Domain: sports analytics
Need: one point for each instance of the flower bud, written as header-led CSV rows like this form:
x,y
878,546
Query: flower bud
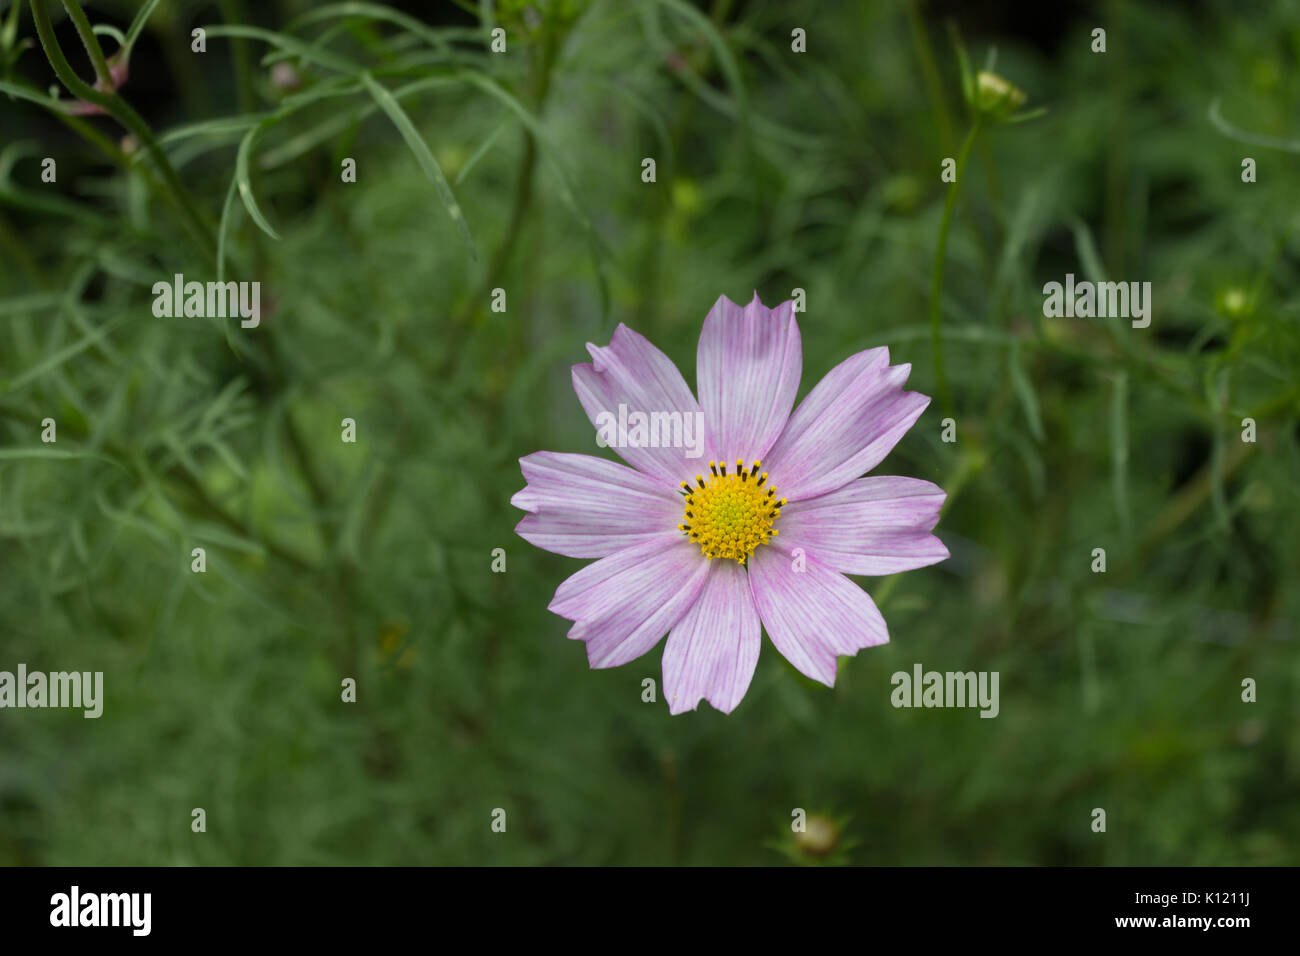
x,y
995,95
285,78
819,837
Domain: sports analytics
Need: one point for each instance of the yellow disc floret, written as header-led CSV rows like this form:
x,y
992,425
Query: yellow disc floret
x,y
730,515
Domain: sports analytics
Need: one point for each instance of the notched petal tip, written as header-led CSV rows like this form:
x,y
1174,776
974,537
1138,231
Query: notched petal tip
x,y
680,706
555,602
520,500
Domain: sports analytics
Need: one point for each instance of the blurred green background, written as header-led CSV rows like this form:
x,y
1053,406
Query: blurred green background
x,y
776,170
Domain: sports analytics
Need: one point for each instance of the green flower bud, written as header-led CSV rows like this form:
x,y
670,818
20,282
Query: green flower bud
x,y
996,96
820,836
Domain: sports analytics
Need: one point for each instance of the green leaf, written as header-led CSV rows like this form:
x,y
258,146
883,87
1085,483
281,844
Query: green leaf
x,y
33,96
219,127
305,51
1119,448
371,11
599,252
1025,392
482,150
423,156
726,62
37,451
1244,136
1093,270
244,182
137,25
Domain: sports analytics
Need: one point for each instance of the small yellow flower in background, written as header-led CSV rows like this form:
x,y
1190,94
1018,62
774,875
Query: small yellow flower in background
x,y
392,649
1233,302
686,196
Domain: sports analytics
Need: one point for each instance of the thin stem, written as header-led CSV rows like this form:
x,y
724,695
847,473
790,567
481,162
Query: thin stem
x,y
232,11
121,111
936,279
929,71
525,176
91,42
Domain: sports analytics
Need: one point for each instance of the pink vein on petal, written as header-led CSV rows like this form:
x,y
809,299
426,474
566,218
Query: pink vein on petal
x,y
814,615
748,364
624,603
845,426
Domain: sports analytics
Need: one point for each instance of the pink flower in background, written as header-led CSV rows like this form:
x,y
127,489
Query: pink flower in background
x,y
752,524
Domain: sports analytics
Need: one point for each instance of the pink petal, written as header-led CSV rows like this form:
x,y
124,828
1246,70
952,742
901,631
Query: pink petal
x,y
812,616
632,372
844,427
624,603
748,365
586,507
877,525
713,649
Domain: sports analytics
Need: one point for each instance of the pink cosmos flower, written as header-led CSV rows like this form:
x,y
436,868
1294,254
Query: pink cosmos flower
x,y
756,532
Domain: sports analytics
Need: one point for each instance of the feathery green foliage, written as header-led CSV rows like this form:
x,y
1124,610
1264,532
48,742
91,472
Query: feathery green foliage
x,y
775,170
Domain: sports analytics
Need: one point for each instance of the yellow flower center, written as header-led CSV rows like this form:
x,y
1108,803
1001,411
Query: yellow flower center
x,y
730,515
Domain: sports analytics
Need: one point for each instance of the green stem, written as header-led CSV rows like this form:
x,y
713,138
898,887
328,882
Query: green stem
x,y
91,42
929,71
121,111
233,11
543,66
936,278
525,176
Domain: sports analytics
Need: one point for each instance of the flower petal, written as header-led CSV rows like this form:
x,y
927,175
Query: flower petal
x,y
844,427
713,649
878,525
631,372
748,365
585,507
624,603
814,615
